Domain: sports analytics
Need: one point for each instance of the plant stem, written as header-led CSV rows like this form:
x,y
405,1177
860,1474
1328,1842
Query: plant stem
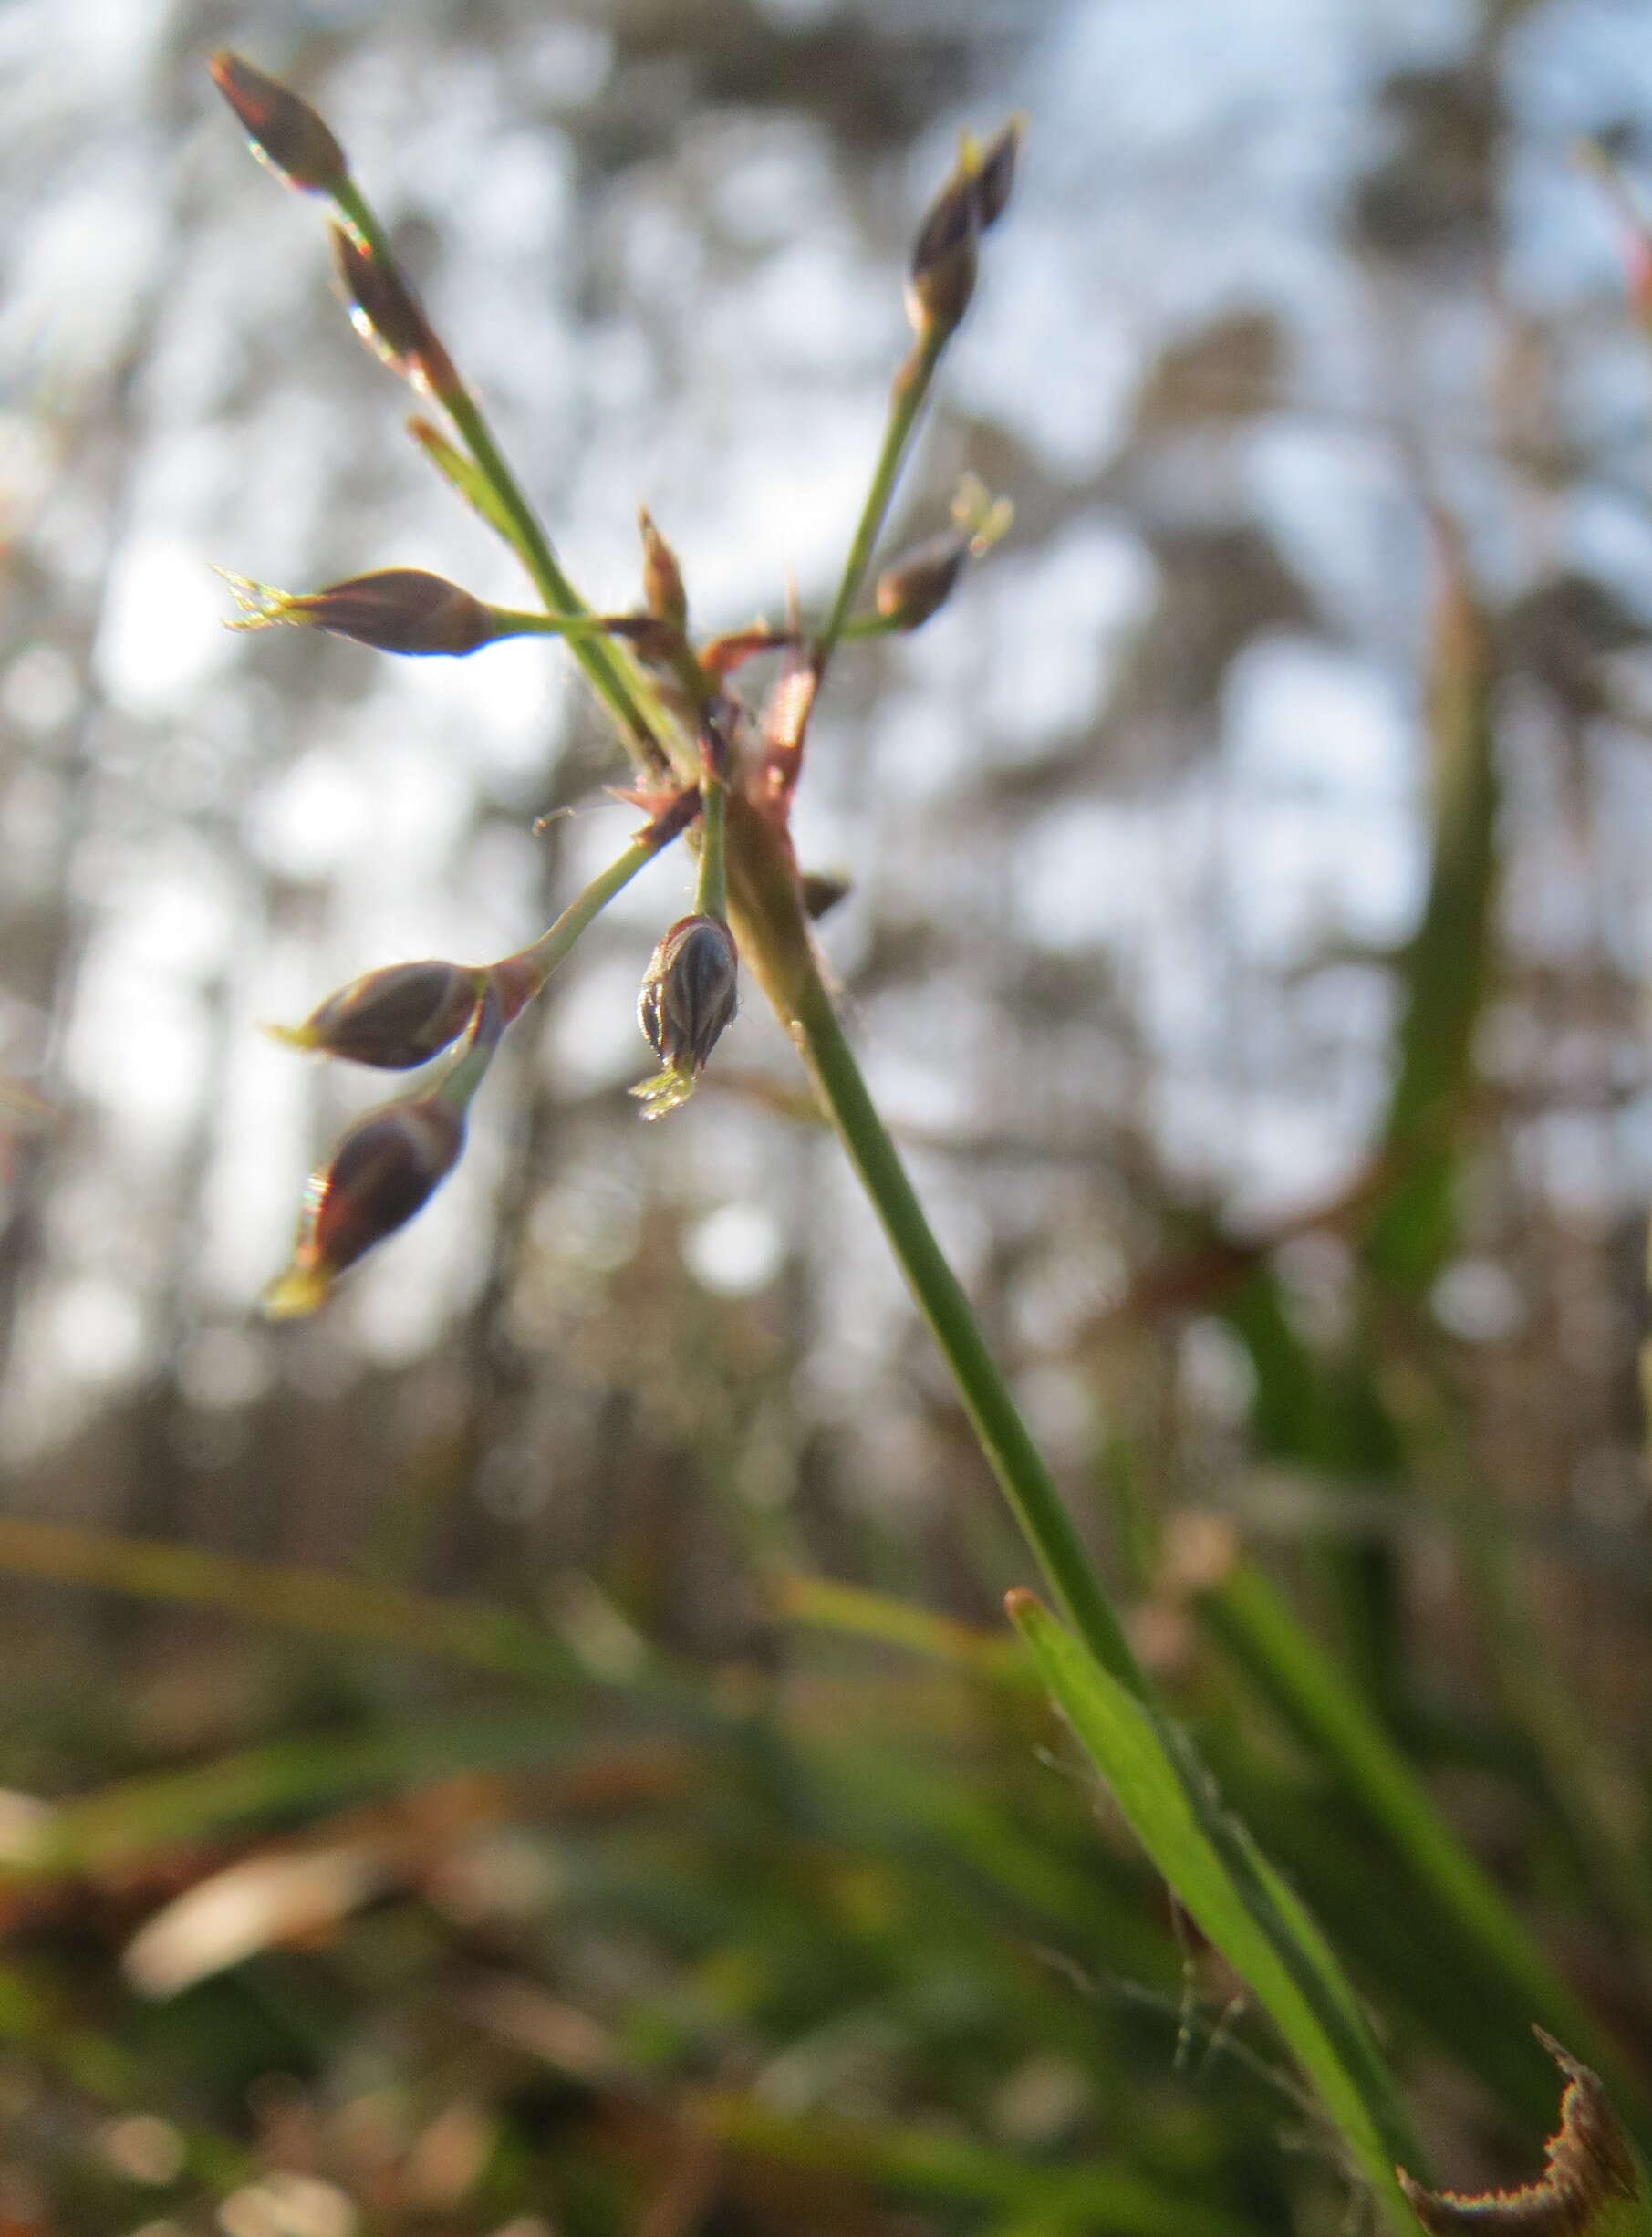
x,y
525,972
775,937
711,887
907,399
598,659
772,934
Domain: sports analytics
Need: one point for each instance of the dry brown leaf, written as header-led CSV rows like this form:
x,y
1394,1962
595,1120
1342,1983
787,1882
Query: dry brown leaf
x,y
1591,2186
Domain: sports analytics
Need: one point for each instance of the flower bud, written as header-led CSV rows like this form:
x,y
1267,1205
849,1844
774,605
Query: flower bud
x,y
944,258
921,580
285,132
662,589
394,1019
388,318
995,173
382,1172
689,992
396,610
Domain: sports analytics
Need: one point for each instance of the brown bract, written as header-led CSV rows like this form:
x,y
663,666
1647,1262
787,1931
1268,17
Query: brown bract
x,y
1590,2176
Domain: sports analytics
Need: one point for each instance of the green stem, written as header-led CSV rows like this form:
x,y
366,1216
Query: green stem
x,y
467,1067
517,621
906,401
711,887
1031,1492
531,966
533,546
1015,1459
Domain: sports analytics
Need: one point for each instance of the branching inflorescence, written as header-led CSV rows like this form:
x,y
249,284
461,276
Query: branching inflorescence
x,y
705,761
707,765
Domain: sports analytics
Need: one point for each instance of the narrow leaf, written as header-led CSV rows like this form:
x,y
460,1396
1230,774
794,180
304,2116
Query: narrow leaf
x,y
1234,1898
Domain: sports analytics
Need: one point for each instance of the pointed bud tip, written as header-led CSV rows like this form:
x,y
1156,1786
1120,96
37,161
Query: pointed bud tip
x,y
291,1036
663,586
296,1294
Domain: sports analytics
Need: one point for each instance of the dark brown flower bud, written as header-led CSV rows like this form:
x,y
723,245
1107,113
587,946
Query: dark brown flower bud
x,y
689,992
945,258
389,316
382,1172
921,580
397,610
995,173
662,590
394,1019
945,254
285,132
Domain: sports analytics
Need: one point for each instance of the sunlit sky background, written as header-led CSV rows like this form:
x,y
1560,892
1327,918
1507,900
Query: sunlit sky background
x,y
708,327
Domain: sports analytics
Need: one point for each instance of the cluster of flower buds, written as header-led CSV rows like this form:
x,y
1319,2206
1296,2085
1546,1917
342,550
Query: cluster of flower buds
x,y
941,280
383,1171
396,610
452,1015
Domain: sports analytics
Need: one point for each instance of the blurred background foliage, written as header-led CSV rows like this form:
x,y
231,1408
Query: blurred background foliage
x,y
538,1750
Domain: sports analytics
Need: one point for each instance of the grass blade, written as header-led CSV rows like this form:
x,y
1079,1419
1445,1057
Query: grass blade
x,y
1235,1898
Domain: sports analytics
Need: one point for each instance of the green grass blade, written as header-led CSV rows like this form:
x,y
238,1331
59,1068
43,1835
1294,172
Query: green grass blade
x,y
1236,1899
1316,1702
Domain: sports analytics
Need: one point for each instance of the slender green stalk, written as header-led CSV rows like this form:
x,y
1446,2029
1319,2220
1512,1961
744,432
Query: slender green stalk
x,y
1015,1461
907,399
531,966
1275,1942
518,621
598,659
711,887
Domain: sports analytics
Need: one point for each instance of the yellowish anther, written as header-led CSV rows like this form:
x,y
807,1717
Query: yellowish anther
x,y
262,605
664,1091
293,1037
297,1292
986,518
